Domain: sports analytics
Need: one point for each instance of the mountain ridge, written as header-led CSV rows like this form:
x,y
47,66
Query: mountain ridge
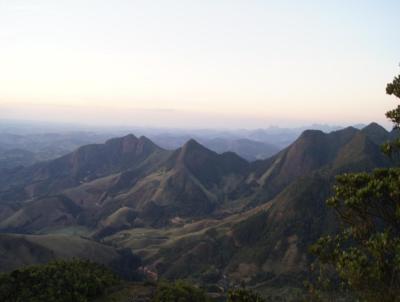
x,y
243,220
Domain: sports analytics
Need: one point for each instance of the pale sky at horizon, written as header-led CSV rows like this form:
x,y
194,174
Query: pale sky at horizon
x,y
209,63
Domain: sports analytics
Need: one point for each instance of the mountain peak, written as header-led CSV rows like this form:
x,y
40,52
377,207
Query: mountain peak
x,y
192,144
376,133
192,141
375,127
344,134
348,129
311,133
129,136
124,139
130,143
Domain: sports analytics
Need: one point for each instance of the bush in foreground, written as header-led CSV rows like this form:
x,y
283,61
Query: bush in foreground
x,y
243,295
179,291
59,281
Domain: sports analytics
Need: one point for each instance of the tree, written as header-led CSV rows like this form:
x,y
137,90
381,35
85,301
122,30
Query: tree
x,y
363,259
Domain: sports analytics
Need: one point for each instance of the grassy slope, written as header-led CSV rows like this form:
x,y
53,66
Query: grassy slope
x,y
21,250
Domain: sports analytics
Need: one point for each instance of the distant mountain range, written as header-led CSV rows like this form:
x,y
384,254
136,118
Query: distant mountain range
x,y
23,144
189,212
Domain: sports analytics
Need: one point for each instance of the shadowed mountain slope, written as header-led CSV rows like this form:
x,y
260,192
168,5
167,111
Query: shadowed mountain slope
x,y
200,211
85,164
272,242
257,245
312,151
44,213
377,133
19,250
192,182
97,180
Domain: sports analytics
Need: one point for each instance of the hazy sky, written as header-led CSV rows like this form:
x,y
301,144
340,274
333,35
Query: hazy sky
x,y
208,63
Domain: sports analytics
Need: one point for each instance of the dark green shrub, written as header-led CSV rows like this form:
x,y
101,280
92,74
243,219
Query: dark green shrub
x,y
180,291
243,295
59,281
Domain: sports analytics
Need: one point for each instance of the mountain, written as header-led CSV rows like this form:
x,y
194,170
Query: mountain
x,y
24,148
192,182
266,242
377,133
313,150
86,163
29,194
38,215
90,186
248,149
192,212
206,165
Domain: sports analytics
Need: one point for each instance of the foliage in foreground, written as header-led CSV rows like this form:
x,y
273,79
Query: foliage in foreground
x,y
59,281
179,291
182,291
83,281
363,259
243,295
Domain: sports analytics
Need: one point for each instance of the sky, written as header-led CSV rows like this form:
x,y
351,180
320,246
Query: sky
x,y
208,63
